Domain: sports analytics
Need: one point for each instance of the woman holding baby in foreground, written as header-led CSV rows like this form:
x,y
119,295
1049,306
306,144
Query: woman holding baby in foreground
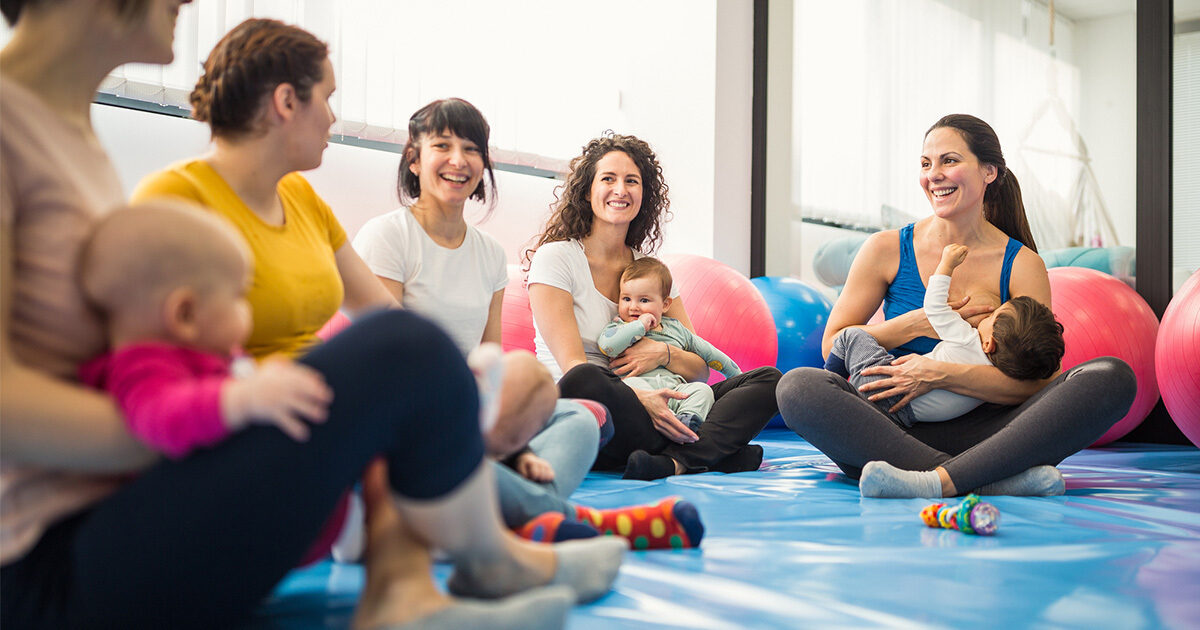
x,y
1010,443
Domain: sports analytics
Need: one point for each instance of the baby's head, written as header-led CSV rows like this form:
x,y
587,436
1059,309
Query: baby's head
x,y
1023,339
168,271
527,398
645,288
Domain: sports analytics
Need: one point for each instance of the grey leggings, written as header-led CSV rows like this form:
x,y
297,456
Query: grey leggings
x,y
990,443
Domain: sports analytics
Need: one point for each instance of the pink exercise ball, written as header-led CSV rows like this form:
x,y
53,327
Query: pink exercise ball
x,y
1102,316
1177,358
726,310
516,320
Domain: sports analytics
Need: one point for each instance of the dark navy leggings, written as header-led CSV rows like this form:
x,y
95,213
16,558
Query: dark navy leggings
x,y
198,543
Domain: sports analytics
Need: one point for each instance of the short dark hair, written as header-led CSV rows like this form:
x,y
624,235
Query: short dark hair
x,y
128,10
457,117
647,267
248,63
1029,340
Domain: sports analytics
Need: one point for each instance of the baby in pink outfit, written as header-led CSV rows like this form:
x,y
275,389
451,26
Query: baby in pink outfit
x,y
169,281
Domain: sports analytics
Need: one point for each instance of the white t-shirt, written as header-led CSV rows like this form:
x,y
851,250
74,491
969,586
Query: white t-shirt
x,y
452,287
564,265
959,344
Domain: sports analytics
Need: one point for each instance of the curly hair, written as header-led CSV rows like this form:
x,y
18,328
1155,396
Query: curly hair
x,y
571,215
457,117
248,63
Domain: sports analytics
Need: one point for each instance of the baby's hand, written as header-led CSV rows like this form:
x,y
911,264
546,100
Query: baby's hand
x,y
648,320
952,256
279,392
534,468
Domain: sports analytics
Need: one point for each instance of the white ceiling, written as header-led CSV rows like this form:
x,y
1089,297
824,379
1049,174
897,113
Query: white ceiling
x,y
1080,10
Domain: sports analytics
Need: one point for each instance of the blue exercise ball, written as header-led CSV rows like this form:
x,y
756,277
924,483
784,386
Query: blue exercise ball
x,y
800,312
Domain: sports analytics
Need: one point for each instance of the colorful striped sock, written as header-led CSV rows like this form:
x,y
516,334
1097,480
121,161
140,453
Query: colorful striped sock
x,y
669,524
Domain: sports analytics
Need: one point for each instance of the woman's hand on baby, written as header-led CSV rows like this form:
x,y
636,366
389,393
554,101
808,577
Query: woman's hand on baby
x,y
909,376
972,312
664,420
534,468
279,392
641,357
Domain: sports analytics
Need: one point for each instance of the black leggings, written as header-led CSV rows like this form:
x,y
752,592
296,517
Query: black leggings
x,y
198,543
987,444
744,404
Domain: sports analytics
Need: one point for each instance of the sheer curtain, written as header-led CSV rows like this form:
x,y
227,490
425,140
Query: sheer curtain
x,y
872,76
524,65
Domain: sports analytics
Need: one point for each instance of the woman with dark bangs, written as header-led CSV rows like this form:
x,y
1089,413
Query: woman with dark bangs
x,y
610,212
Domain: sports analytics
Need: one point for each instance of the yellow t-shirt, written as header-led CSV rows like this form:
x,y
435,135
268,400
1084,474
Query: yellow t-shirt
x,y
297,287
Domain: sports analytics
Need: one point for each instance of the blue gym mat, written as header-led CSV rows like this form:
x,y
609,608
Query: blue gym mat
x,y
795,546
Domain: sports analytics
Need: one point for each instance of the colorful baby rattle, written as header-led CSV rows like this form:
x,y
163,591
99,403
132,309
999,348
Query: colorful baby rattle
x,y
971,516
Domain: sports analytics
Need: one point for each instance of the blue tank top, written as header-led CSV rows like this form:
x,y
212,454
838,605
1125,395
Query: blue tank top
x,y
907,291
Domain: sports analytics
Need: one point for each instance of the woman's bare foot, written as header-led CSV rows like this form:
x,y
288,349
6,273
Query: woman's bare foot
x,y
399,590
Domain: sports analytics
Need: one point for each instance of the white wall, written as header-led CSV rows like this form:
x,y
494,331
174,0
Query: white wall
x,y
1106,53
358,183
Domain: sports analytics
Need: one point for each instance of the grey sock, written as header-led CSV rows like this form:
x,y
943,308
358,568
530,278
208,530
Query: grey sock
x,y
881,480
589,566
1039,481
542,608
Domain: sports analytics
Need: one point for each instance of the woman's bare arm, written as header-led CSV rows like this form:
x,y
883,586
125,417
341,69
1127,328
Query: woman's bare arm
x,y
491,330
554,313
870,274
364,291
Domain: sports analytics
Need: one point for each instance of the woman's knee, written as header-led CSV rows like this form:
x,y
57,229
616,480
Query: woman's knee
x,y
800,393
766,375
585,381
1105,377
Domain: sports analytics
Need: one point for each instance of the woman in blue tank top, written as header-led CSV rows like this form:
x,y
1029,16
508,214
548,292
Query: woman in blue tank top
x,y
1008,447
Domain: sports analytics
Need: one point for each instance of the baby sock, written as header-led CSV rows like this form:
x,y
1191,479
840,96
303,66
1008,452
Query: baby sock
x,y
881,480
690,419
555,527
1039,481
646,467
669,524
837,365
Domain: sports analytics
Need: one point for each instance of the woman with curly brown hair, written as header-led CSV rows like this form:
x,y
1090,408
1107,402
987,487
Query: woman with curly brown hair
x,y
609,213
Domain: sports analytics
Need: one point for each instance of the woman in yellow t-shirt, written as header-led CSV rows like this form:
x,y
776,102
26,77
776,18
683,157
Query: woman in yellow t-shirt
x,y
251,505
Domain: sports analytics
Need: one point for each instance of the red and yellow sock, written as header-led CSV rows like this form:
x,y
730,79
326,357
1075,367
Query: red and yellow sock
x,y
669,524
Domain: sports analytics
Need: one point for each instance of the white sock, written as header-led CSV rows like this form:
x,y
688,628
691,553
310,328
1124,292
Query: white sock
x,y
1039,481
883,481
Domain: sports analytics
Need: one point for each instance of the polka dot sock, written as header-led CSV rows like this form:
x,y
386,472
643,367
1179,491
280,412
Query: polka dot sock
x,y
669,524
553,527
